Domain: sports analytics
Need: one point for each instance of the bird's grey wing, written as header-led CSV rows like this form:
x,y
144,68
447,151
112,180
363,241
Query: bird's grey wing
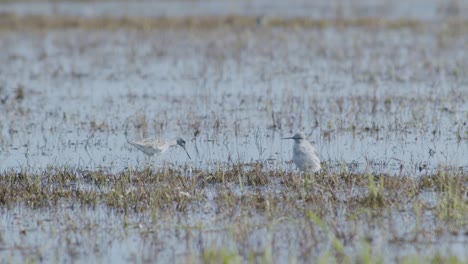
x,y
144,145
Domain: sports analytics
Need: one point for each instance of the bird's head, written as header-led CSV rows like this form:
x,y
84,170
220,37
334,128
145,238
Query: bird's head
x,y
298,137
181,142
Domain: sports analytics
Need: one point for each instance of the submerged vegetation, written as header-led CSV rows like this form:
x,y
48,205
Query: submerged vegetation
x,y
149,189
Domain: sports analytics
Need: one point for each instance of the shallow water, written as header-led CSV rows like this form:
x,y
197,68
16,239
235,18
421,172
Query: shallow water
x,y
69,232
396,109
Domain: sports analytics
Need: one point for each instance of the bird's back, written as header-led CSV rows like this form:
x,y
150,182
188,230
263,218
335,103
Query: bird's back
x,y
151,146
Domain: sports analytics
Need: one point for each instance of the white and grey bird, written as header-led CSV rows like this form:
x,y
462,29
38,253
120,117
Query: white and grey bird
x,y
305,156
151,146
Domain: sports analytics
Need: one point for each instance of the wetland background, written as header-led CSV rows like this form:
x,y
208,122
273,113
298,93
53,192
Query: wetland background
x,y
380,87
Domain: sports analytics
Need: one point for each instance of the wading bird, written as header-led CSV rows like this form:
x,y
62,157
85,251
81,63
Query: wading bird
x,y
151,146
305,156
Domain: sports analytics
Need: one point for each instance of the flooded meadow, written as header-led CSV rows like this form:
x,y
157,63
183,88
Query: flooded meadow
x,y
380,90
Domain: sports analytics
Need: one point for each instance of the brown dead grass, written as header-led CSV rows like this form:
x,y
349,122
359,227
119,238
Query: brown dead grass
x,y
14,22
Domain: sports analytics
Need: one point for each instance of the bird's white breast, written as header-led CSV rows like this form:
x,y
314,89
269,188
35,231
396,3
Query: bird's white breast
x,y
305,157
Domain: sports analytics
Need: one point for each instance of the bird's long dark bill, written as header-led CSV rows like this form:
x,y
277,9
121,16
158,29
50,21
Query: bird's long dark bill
x,y
288,138
188,154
